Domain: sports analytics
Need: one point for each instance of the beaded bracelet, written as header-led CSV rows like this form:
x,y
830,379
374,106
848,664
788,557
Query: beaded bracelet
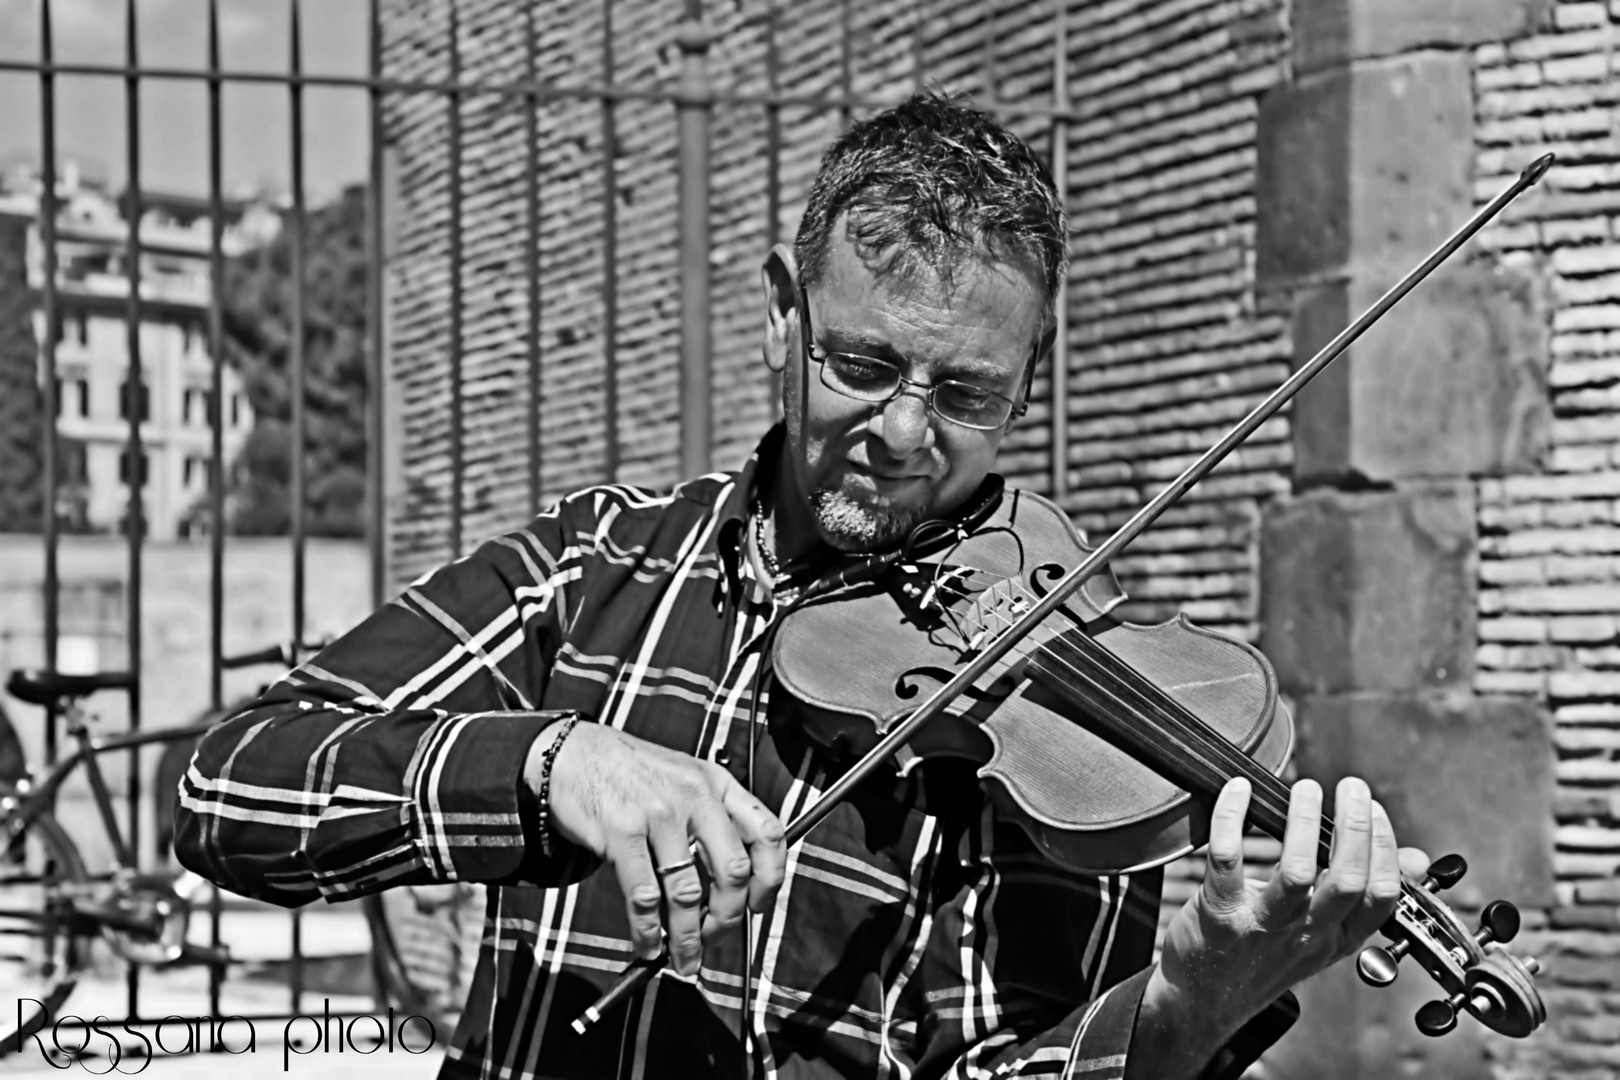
x,y
545,782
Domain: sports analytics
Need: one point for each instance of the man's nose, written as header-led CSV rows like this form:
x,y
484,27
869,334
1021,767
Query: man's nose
x,y
902,422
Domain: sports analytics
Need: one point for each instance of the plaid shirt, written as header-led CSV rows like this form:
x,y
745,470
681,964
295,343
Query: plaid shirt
x,y
915,935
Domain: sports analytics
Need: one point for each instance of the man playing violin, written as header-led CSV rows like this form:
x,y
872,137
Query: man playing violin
x,y
581,712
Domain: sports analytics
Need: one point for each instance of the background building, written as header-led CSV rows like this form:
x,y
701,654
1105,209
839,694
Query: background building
x,y
94,393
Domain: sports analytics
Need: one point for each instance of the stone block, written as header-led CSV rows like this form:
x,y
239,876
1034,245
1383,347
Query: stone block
x,y
1365,166
1334,32
1370,591
1452,381
1303,181
1348,1030
1472,775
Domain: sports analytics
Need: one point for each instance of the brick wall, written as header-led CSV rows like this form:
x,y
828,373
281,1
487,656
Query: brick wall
x,y
1172,338
1549,566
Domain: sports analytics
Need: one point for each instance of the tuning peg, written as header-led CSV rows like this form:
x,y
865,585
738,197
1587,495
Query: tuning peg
x,y
1445,872
1438,1017
1379,965
1498,922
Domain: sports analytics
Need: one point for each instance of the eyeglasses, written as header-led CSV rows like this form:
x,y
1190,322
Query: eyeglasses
x,y
866,378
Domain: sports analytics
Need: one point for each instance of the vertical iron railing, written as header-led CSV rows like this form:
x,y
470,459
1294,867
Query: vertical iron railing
x,y
610,256
694,107
693,101
47,235
135,406
531,255
376,332
1058,366
215,412
457,464
297,394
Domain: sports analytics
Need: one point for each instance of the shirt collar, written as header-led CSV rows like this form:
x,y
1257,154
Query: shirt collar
x,y
734,512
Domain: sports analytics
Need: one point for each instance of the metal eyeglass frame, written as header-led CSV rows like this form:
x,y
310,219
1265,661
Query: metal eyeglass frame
x,y
1015,409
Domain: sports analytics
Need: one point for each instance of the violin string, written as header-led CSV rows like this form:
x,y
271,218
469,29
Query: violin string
x,y
1222,758
1199,734
1268,792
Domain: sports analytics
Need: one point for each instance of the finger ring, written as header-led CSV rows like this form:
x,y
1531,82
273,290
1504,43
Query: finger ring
x,y
672,867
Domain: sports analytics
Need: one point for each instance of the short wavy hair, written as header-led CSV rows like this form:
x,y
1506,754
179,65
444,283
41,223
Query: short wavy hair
x,y
930,182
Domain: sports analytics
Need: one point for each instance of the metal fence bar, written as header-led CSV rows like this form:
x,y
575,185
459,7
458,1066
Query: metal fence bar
x,y
531,257
215,412
773,131
216,349
136,518
693,110
992,71
376,366
773,163
457,467
47,232
300,419
547,92
919,71
1060,180
610,258
846,61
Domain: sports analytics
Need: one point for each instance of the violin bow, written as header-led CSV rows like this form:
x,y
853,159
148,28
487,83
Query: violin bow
x,y
639,972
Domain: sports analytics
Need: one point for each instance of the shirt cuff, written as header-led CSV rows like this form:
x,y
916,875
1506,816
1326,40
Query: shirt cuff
x,y
1253,1039
470,815
1108,1031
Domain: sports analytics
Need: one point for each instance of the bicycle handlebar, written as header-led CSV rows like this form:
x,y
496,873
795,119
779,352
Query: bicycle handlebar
x,y
285,654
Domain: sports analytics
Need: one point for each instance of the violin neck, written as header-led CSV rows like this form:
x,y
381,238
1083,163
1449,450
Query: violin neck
x,y
1119,704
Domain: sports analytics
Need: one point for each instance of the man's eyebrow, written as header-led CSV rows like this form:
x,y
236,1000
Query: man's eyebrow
x,y
861,342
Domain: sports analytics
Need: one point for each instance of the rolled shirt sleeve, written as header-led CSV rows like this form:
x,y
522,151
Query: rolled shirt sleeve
x,y
395,756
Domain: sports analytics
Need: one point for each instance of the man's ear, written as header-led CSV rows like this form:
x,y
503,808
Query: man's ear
x,y
1042,355
780,277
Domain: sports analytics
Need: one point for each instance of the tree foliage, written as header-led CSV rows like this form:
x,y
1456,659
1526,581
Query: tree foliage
x,y
22,406
258,329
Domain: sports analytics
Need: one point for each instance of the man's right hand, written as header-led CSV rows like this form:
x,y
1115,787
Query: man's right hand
x,y
639,806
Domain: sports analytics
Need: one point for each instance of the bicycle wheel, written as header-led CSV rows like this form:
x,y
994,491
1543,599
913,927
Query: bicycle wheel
x,y
41,947
425,942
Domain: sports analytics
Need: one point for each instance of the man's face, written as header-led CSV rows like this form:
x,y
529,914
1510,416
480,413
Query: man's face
x,y
871,472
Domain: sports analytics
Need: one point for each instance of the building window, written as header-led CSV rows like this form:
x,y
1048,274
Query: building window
x,y
236,410
124,470
145,401
72,397
196,470
71,465
198,407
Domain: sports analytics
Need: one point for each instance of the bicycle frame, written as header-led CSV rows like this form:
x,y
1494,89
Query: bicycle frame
x,y
33,797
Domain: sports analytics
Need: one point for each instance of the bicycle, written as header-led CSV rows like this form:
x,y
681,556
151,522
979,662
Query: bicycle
x,y
53,910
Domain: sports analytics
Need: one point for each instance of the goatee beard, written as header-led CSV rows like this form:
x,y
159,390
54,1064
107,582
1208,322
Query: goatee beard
x,y
851,525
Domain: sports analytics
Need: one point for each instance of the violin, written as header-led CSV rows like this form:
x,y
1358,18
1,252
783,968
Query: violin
x,y
1106,742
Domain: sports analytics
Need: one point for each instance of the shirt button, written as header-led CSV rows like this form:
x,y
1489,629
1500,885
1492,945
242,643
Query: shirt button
x,y
722,757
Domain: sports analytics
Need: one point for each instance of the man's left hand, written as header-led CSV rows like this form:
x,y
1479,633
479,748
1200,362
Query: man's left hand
x,y
1238,944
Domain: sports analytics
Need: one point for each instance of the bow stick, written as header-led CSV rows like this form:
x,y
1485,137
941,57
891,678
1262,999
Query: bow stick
x,y
641,971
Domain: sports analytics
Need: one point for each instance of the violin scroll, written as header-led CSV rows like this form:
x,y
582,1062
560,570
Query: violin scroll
x,y
1495,986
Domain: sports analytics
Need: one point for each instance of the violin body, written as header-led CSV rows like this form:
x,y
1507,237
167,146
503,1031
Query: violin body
x,y
872,652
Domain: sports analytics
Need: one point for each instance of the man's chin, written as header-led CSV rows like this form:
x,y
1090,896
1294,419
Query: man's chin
x,y
850,523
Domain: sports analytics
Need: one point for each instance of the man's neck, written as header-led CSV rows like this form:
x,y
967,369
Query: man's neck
x,y
794,533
